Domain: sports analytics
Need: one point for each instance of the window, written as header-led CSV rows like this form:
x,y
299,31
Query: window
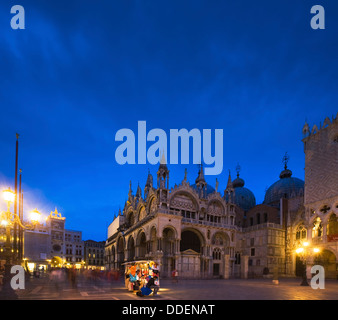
x,y
251,221
317,230
237,258
258,218
217,254
252,253
252,241
265,217
301,233
332,227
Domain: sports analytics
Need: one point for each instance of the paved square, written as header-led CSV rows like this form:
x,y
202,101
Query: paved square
x,y
233,289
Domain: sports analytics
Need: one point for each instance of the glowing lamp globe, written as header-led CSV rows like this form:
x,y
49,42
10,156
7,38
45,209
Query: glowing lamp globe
x,y
4,223
35,216
8,195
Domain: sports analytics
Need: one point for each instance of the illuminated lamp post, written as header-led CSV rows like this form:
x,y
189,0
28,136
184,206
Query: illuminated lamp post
x,y
8,220
305,251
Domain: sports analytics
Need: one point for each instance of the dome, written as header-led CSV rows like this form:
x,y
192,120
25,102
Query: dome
x,y
285,187
242,197
238,182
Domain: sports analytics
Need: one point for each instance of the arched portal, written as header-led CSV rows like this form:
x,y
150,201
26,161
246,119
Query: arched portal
x,y
142,245
190,240
131,249
120,252
56,262
327,259
190,262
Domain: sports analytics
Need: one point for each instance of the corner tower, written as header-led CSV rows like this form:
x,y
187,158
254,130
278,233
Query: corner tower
x,y
321,161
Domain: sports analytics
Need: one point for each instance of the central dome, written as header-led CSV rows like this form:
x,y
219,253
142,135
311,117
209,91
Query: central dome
x,y
285,187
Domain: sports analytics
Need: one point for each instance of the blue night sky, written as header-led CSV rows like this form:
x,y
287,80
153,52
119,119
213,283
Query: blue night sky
x,y
81,70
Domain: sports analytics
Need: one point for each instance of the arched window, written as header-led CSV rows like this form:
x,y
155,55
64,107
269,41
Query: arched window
x,y
217,254
131,248
301,232
131,219
142,214
317,229
332,226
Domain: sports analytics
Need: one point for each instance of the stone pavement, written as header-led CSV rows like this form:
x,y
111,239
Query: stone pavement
x,y
233,289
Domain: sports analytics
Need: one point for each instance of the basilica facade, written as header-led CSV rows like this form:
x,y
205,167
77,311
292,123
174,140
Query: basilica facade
x,y
204,232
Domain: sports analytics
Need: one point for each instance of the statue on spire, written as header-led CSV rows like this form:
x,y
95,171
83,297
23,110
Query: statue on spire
x,y
185,174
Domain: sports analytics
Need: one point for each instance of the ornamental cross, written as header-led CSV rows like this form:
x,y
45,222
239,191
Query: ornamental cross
x,y
286,160
238,169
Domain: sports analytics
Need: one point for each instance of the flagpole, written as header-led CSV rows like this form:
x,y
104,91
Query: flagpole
x,y
16,198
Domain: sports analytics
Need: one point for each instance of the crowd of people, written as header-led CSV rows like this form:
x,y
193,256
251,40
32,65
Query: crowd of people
x,y
140,278
61,276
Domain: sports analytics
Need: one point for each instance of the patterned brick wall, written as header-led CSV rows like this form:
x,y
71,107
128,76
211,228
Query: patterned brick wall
x,y
321,163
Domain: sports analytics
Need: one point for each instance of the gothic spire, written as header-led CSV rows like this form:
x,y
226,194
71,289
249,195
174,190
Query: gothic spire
x,y
200,178
229,184
149,182
138,192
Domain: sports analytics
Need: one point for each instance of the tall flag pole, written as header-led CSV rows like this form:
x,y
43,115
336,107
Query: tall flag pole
x,y
16,197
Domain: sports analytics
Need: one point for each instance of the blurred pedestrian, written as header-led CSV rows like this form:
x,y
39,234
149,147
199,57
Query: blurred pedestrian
x,y
174,276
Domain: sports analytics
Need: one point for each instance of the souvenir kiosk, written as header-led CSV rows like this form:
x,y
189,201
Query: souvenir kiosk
x,y
138,274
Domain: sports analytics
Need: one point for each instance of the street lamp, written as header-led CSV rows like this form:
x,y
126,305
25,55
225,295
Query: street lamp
x,y
7,220
8,195
35,216
305,251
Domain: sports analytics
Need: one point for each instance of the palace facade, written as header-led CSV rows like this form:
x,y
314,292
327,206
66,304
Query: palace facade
x,y
205,233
